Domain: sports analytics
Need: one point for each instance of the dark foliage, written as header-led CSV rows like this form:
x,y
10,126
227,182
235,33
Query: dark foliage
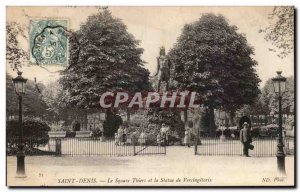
x,y
104,57
35,132
211,58
111,124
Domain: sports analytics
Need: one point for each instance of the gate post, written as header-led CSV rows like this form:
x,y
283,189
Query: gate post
x,y
57,147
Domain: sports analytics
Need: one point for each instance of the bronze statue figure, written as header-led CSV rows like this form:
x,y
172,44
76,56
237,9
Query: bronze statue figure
x,y
163,68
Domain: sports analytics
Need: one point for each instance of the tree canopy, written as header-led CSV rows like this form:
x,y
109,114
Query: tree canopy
x,y
33,105
15,55
104,57
213,59
280,31
267,102
271,100
52,96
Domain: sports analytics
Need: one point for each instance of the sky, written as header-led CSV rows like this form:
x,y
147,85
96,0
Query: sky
x,y
156,27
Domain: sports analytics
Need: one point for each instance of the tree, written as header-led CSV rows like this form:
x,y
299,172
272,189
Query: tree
x,y
104,57
52,95
211,58
267,102
259,107
15,56
280,31
33,105
14,53
271,100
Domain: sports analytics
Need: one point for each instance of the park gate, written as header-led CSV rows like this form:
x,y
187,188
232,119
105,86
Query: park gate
x,y
96,146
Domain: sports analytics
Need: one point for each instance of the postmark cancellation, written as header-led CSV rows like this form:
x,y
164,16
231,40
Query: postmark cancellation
x,y
48,41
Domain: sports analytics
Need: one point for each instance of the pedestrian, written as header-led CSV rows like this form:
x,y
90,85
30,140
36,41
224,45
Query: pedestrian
x,y
163,132
232,136
129,139
120,135
134,137
142,138
124,137
158,139
101,130
187,137
245,137
116,139
168,135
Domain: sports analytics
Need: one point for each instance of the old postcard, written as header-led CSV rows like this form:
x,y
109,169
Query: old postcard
x,y
150,96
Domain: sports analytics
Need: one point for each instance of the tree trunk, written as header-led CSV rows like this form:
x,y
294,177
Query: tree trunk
x,y
266,119
231,118
85,120
185,114
128,115
81,122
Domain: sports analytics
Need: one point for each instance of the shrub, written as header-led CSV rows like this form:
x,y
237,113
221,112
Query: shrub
x,y
32,127
75,126
169,117
35,133
96,133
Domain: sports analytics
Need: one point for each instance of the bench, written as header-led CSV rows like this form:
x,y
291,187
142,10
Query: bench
x,y
59,134
81,134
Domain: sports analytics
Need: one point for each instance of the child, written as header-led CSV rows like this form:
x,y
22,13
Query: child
x,y
158,139
187,137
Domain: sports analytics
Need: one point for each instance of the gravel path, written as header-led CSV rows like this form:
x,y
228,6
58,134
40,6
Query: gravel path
x,y
179,167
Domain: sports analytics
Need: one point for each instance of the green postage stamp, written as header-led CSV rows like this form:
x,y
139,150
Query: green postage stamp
x,y
48,41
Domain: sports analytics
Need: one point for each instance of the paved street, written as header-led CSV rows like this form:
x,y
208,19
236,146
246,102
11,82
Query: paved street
x,y
179,167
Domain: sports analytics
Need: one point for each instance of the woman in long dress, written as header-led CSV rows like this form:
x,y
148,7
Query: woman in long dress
x,y
142,138
120,135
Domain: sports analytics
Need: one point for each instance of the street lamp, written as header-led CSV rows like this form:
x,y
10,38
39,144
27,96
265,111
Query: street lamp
x,y
19,83
279,84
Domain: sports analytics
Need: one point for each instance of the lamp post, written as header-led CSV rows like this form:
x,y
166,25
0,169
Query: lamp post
x,y
279,84
19,84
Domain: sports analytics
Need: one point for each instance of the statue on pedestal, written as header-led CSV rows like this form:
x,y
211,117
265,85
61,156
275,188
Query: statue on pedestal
x,y
163,69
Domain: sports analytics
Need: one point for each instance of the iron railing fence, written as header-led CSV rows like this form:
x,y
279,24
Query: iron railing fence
x,y
85,146
263,146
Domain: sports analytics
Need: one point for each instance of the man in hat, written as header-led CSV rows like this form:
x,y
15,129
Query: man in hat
x,y
245,138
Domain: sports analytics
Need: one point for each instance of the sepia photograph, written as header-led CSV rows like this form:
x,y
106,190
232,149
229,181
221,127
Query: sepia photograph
x,y
150,96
